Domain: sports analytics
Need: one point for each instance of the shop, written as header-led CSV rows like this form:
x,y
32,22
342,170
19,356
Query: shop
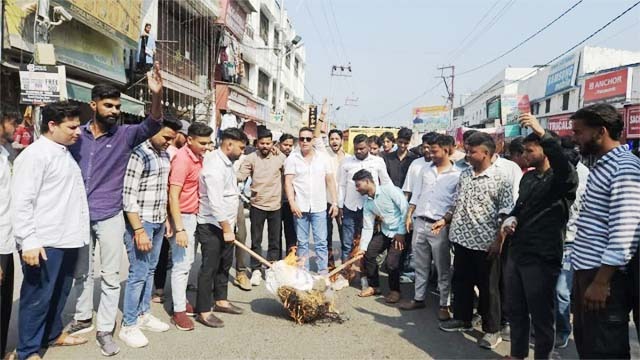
x,y
238,108
632,126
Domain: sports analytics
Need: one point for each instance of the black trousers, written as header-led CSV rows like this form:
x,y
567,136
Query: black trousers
x,y
6,299
217,257
274,228
602,334
330,220
474,268
531,299
504,257
289,227
634,270
160,275
378,244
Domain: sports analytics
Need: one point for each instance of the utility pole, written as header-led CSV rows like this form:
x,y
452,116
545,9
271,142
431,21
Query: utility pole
x,y
280,51
444,78
337,70
41,36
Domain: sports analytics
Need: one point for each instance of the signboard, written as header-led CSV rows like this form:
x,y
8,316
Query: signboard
x,y
512,130
632,122
41,84
513,106
119,19
561,125
562,74
493,109
431,118
313,115
609,88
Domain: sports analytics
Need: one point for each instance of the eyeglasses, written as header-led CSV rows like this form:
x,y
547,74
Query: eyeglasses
x,y
305,139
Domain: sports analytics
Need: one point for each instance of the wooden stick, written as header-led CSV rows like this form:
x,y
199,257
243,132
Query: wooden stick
x,y
343,266
252,253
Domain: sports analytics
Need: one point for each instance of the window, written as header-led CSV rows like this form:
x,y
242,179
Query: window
x,y
273,98
287,60
535,108
264,28
296,66
565,101
263,86
547,106
276,42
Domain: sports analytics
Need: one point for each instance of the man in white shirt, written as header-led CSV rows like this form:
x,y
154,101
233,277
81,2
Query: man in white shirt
x,y
7,244
350,201
415,169
308,177
433,196
215,230
48,191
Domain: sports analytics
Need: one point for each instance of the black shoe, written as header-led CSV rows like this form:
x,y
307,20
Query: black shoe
x,y
210,321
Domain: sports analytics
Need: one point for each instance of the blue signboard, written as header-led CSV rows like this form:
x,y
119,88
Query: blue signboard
x,y
561,75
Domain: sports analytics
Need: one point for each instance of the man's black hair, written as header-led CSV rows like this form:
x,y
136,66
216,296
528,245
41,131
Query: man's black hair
x,y
598,115
570,150
284,137
533,137
264,133
172,123
359,138
516,146
484,139
199,129
467,134
57,112
449,140
428,136
305,128
362,175
440,140
405,133
104,91
233,134
335,131
387,135
10,116
374,139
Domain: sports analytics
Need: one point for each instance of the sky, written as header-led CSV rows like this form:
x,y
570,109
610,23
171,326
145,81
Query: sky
x,y
396,46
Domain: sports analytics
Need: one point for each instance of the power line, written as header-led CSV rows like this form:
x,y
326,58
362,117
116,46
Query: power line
x,y
522,42
331,37
475,27
409,102
335,20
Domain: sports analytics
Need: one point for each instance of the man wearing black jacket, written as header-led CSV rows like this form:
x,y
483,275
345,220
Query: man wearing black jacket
x,y
537,225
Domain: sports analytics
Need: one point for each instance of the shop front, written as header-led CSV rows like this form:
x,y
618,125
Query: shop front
x,y
238,108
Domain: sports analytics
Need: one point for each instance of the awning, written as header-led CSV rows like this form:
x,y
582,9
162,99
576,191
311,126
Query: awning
x,y
81,91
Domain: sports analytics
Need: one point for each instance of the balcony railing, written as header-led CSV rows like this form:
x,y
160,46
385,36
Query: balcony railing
x,y
176,64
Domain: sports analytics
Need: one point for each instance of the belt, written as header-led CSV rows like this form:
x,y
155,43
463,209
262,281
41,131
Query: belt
x,y
427,219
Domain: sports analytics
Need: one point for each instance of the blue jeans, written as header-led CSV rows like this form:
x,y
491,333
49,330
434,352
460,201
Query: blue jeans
x,y
563,295
142,266
43,294
318,223
351,225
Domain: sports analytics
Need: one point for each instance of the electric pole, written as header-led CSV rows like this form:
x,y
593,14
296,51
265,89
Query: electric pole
x,y
337,70
448,85
279,46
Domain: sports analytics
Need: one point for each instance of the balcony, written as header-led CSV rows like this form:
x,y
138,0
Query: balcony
x,y
176,64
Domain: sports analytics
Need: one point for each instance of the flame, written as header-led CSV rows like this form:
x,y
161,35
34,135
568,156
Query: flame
x,y
291,259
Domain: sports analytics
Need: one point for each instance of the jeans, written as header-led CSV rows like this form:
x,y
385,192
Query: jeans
x,y
182,259
531,301
142,266
427,246
318,223
602,334
274,223
378,244
217,257
351,225
6,299
242,257
44,292
109,233
473,268
289,227
563,298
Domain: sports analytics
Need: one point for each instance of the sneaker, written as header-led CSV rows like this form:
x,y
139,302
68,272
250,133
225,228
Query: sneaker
x,y
256,278
77,327
506,333
108,347
182,321
454,325
189,310
242,281
149,322
340,283
133,337
490,340
405,279
562,342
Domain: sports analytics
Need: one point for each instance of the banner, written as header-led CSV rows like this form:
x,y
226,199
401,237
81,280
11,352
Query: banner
x,y
431,118
42,84
561,125
632,122
609,88
513,106
562,74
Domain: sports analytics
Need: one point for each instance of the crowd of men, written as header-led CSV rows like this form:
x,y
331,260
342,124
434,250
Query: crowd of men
x,y
535,236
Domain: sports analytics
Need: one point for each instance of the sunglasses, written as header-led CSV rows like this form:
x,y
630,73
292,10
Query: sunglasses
x,y
305,139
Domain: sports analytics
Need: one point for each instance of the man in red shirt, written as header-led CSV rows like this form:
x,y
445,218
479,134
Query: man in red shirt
x,y
184,201
23,136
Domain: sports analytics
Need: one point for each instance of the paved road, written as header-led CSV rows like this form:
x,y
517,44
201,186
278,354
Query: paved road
x,y
371,330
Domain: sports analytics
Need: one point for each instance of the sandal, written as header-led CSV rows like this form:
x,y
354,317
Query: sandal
x,y
69,340
370,291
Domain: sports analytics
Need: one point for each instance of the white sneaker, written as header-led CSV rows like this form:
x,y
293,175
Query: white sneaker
x,y
256,278
151,323
132,336
340,283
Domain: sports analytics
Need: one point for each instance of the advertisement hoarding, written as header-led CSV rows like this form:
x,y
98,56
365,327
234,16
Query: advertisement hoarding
x,y
610,87
431,118
42,84
632,122
562,74
561,125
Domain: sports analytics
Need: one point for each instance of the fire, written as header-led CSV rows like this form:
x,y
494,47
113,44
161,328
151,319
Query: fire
x,y
291,259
